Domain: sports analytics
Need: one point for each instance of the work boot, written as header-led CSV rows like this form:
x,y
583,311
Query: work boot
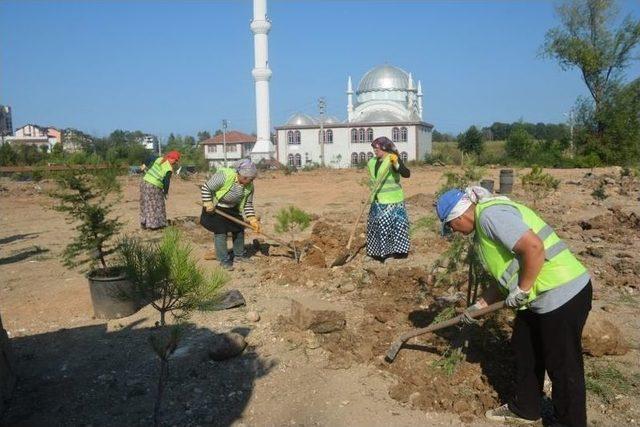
x,y
503,414
226,266
209,255
240,259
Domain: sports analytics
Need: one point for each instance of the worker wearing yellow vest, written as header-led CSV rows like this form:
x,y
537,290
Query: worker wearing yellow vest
x,y
549,288
154,188
388,223
231,191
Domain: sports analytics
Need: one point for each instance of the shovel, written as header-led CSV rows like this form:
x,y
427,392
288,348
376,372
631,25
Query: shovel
x,y
397,344
342,258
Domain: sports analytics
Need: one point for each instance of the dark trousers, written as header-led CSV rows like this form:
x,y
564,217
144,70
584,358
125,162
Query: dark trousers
x,y
552,342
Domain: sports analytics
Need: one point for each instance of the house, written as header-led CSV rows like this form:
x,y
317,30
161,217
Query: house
x,y
237,145
43,137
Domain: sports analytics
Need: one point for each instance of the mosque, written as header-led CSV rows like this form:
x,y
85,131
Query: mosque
x,y
386,103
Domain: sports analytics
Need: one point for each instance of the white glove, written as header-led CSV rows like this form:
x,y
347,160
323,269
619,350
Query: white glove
x,y
466,318
517,297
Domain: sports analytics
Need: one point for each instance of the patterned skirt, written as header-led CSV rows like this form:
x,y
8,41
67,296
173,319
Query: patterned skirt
x,y
387,230
153,213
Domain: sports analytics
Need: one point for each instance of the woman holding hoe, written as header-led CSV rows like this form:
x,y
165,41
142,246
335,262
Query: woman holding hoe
x,y
388,224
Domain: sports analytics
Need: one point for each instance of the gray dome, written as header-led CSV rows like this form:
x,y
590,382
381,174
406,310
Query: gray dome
x,y
300,119
384,77
331,120
379,116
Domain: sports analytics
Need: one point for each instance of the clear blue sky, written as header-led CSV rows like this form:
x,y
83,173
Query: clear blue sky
x,y
169,66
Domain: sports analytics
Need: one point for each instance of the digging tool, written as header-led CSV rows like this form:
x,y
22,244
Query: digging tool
x,y
344,256
397,344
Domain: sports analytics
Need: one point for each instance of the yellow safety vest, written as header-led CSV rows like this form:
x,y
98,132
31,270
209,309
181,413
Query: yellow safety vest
x,y
390,191
157,172
229,179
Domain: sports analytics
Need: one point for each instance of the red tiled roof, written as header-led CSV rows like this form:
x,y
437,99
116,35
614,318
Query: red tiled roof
x,y
232,137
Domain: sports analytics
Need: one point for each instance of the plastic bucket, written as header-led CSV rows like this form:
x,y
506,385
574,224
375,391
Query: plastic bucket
x,y
106,296
506,181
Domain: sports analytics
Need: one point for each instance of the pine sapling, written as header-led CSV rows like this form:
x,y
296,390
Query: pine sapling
x,y
163,343
292,220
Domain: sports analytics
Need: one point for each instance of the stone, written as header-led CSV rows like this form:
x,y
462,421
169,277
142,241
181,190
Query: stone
x,y
600,337
346,288
317,316
230,299
226,345
253,316
414,398
595,251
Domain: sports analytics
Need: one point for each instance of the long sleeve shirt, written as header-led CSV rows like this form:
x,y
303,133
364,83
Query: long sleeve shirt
x,y
400,168
232,198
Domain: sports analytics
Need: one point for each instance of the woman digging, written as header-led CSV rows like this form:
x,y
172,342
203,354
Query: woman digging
x,y
154,188
388,224
229,190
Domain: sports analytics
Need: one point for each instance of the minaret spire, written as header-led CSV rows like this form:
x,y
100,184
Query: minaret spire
x,y
420,99
349,100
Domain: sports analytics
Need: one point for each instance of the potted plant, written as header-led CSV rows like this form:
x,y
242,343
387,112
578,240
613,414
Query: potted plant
x,y
87,198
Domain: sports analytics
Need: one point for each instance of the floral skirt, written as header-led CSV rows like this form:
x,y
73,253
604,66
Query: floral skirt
x,y
387,230
153,213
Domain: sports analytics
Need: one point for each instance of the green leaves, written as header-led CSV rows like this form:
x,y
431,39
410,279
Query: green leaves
x,y
291,218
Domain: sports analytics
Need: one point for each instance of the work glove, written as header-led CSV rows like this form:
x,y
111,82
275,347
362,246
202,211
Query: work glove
x,y
517,297
255,224
209,207
466,318
393,158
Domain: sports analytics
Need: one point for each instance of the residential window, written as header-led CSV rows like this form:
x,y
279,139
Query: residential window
x,y
363,157
403,134
211,148
354,136
298,160
369,135
361,135
404,156
354,158
232,148
395,134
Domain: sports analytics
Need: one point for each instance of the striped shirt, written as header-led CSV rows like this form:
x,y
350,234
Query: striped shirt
x,y
232,198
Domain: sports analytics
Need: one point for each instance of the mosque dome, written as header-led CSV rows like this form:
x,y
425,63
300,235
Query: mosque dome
x,y
300,119
384,77
379,116
331,120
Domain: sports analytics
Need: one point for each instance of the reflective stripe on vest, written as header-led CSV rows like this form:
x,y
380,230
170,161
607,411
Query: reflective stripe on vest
x,y
560,266
390,191
157,172
230,179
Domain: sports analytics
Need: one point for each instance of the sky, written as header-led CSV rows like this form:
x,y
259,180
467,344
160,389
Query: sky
x,y
183,66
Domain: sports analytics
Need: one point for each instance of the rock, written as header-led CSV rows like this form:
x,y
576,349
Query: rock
x,y
601,337
311,340
229,299
595,251
346,288
253,316
318,316
414,398
227,345
609,181
461,406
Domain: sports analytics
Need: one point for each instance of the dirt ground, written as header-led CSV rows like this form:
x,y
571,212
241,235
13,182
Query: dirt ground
x,y
78,370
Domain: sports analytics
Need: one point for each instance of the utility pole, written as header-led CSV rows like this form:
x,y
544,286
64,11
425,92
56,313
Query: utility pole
x,y
321,105
224,140
571,123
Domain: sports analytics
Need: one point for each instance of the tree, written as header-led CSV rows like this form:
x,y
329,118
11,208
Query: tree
x,y
520,143
8,155
203,135
471,141
292,219
588,40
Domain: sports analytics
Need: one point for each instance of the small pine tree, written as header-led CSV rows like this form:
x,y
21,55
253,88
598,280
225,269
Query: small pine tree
x,y
164,343
292,220
471,141
84,196
539,184
167,274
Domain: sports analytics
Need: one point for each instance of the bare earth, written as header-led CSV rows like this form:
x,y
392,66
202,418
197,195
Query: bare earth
x,y
77,370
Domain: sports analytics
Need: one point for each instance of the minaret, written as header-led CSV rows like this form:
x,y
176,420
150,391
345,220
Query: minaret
x,y
420,99
411,97
349,100
260,27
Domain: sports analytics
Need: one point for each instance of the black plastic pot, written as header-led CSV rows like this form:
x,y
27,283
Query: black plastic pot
x,y
107,293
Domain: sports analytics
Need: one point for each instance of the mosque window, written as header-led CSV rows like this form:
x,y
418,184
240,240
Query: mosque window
x,y
354,158
369,135
361,135
369,155
329,136
354,136
298,160
290,137
363,157
404,156
296,137
290,160
395,134
403,134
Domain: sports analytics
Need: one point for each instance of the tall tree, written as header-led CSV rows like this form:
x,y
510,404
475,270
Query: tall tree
x,y
471,141
202,135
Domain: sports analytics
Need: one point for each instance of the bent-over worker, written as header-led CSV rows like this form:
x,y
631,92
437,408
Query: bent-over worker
x,y
154,188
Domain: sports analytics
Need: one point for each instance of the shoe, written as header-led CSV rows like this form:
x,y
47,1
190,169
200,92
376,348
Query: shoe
x,y
209,255
503,414
241,259
226,266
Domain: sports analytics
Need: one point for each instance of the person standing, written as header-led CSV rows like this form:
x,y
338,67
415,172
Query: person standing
x,y
154,188
388,223
550,289
229,190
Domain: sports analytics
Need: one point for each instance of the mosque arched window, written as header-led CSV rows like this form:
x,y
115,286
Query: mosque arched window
x,y
369,155
329,136
354,136
361,135
403,134
290,137
404,156
290,160
363,157
354,159
298,160
395,134
369,135
296,137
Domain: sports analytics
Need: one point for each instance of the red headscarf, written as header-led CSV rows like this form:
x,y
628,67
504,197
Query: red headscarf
x,y
171,155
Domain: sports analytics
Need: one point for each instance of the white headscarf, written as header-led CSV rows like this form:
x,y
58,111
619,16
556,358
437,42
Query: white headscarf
x,y
473,194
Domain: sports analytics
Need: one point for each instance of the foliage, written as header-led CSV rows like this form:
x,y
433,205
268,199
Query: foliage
x,y
427,222
451,262
84,197
470,174
446,314
606,381
450,360
520,144
167,274
442,136
191,152
203,135
471,141
292,220
599,192
539,183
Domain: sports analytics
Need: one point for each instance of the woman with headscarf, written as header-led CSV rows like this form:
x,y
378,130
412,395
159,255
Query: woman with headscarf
x,y
229,190
538,276
388,224
154,188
